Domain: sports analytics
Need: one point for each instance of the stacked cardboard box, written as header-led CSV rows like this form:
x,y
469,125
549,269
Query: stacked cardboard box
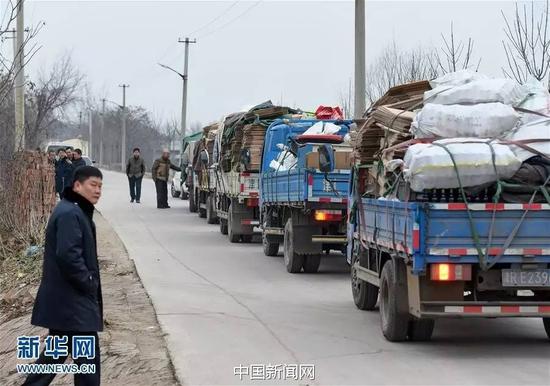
x,y
254,135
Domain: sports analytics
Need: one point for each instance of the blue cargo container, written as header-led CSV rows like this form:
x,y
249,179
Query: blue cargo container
x,y
302,207
426,260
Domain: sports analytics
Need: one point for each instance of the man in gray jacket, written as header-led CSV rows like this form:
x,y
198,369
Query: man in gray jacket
x,y
135,169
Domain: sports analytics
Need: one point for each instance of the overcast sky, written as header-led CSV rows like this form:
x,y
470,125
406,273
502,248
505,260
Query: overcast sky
x,y
246,51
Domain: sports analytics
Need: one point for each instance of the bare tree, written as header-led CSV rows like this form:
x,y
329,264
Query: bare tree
x,y
47,99
195,127
172,131
395,67
346,100
527,44
28,48
454,55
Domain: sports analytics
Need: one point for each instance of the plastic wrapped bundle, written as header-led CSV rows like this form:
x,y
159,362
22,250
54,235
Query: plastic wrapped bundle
x,y
485,120
536,131
429,166
505,91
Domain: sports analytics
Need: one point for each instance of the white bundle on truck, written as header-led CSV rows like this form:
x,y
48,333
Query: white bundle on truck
x,y
505,91
536,130
429,166
484,120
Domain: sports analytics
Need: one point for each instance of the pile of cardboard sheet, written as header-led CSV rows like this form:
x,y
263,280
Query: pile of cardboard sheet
x,y
254,135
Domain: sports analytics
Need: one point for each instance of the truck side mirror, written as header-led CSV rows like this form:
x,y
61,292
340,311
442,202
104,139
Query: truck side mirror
x,y
204,157
326,158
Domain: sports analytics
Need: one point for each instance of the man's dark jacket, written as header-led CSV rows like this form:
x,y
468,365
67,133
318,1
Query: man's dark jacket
x,y
69,297
63,175
78,163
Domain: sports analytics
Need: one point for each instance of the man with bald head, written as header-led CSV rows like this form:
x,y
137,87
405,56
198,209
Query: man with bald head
x,y
161,173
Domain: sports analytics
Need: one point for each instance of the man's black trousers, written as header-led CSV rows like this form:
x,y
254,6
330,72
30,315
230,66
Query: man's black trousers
x,y
162,193
79,379
135,187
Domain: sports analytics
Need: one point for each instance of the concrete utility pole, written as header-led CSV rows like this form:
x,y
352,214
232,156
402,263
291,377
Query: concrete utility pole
x,y
187,41
123,140
102,130
90,137
19,58
360,46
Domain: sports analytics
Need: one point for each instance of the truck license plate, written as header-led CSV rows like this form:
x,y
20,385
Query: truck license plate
x,y
526,278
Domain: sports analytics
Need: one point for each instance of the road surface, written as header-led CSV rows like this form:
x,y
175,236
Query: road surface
x,y
225,305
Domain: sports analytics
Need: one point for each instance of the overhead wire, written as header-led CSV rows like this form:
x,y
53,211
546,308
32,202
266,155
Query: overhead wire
x,y
231,21
215,19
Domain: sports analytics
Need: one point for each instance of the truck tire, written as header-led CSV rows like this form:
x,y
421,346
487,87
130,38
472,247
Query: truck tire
x,y
223,226
192,201
233,237
311,263
201,211
211,216
173,192
293,260
270,249
420,330
184,195
546,322
394,321
365,294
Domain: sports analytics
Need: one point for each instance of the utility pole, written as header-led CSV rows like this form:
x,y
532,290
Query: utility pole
x,y
187,41
19,59
360,73
123,139
90,137
102,130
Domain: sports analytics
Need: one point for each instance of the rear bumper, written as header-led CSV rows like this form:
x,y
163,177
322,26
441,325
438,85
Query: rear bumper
x,y
484,309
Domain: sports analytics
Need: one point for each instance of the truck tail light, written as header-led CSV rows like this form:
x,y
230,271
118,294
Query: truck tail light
x,y
328,215
450,272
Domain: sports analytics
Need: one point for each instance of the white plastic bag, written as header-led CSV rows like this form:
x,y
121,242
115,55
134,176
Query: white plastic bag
x,y
534,130
457,78
284,161
430,167
538,101
484,120
505,91
322,127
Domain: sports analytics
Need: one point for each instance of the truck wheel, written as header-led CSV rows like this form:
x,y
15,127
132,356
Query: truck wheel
x,y
394,321
311,263
173,191
211,216
223,226
246,238
201,211
184,195
293,261
192,201
546,322
365,294
420,330
270,249
233,237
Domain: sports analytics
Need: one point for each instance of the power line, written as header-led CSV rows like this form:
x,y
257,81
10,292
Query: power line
x,y
232,20
216,18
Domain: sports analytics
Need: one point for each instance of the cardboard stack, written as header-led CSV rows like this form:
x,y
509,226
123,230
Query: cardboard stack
x,y
254,135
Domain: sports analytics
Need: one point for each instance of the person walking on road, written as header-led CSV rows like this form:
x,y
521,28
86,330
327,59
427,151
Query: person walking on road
x,y
135,169
63,173
77,159
69,301
160,173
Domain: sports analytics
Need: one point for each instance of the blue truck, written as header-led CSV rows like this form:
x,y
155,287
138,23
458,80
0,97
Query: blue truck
x,y
423,260
303,192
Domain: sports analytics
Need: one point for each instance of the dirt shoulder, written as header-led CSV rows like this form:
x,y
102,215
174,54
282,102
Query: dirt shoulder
x,y
133,350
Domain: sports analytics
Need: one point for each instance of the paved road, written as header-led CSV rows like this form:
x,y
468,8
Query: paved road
x,y
222,305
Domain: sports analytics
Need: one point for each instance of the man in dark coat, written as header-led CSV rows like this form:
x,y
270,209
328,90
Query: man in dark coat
x,y
69,301
160,173
135,169
77,159
63,173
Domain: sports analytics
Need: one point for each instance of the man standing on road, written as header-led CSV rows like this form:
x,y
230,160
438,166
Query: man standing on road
x,y
135,169
63,173
69,301
160,174
77,159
